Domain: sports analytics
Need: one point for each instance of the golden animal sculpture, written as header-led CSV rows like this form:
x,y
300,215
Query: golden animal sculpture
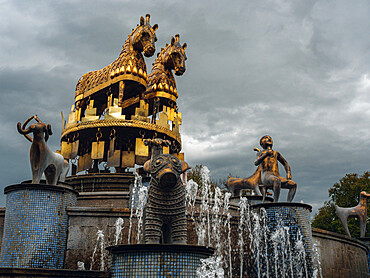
x,y
129,66
161,82
235,185
359,211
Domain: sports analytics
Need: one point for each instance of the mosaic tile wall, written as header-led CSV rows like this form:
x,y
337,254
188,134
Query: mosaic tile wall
x,y
150,264
297,218
35,228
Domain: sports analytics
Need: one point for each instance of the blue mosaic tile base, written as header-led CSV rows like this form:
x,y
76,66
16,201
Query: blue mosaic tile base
x,y
155,264
35,228
297,219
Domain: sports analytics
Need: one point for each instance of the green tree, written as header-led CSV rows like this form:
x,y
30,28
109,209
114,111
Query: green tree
x,y
195,174
345,193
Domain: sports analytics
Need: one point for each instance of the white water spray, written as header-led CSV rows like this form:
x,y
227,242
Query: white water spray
x,y
118,227
270,247
142,198
138,200
100,244
211,268
227,224
317,273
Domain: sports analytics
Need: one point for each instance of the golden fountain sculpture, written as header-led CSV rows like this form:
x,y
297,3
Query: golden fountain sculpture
x,y
118,107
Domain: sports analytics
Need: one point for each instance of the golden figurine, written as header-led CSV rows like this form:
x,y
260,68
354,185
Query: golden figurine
x,y
270,175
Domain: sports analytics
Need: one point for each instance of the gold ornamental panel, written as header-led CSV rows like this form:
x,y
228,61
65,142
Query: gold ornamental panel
x,y
114,80
160,94
121,123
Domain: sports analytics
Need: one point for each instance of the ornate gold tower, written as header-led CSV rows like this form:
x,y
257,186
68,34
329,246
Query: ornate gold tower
x,y
119,106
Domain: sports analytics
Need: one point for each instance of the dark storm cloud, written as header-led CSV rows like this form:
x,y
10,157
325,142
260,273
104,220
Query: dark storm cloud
x,y
295,70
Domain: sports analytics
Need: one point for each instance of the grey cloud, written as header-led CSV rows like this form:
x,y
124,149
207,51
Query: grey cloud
x,y
295,70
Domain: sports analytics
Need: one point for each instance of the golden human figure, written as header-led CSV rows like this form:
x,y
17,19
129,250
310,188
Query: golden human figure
x,y
271,178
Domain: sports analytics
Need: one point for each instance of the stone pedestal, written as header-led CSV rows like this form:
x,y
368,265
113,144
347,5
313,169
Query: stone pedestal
x,y
154,260
283,241
102,182
36,224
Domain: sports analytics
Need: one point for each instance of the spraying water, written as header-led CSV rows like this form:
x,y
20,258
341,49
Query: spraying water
x,y
191,197
100,244
139,195
143,196
216,222
317,272
80,265
227,224
211,268
212,224
243,227
207,186
264,250
276,253
118,227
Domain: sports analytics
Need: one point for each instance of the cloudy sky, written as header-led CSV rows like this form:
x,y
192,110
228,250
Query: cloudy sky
x,y
296,70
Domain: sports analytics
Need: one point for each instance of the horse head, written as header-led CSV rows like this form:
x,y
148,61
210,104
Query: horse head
x,y
174,56
143,37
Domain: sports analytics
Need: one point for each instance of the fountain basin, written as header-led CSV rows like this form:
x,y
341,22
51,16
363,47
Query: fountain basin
x,y
35,225
341,256
289,238
7,272
156,260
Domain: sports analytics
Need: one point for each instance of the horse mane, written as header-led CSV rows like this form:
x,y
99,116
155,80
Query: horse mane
x,y
158,61
125,50
127,42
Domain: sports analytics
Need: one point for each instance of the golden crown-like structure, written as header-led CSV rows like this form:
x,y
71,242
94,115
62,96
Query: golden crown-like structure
x,y
119,106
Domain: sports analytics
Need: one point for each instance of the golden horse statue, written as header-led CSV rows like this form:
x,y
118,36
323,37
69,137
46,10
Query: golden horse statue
x,y
161,82
125,73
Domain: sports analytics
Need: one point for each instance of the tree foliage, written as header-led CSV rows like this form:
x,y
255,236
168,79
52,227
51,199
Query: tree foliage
x,y
345,193
196,174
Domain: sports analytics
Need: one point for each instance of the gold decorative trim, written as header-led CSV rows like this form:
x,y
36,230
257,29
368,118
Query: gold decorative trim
x,y
130,101
120,123
77,98
114,80
160,94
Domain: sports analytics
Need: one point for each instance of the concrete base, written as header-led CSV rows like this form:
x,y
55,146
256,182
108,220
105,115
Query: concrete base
x,y
155,260
44,273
